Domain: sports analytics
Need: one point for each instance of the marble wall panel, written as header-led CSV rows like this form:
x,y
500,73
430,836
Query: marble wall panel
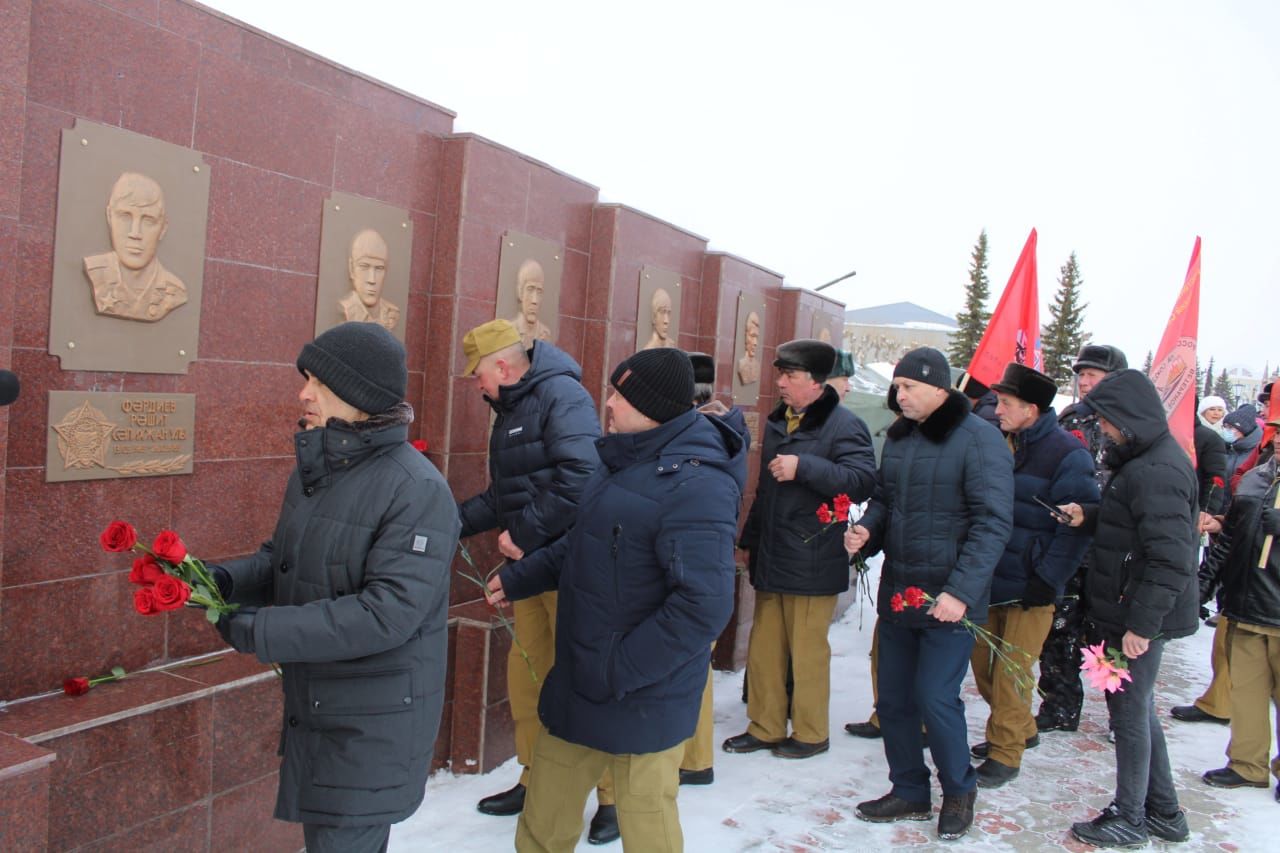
x,y
242,819
24,810
246,733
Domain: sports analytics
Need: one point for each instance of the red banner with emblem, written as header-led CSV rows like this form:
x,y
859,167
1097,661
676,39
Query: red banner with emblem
x,y
1014,331
1174,367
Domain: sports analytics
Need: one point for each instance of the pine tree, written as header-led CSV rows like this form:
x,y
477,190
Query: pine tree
x,y
1208,379
972,321
1146,365
1063,336
1223,388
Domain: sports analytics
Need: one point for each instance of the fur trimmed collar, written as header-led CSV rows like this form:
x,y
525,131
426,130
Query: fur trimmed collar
x,y
814,416
938,425
399,414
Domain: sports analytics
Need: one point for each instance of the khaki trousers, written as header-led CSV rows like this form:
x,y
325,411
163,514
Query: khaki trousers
x,y
1255,682
1217,696
1010,723
790,627
699,752
535,629
563,775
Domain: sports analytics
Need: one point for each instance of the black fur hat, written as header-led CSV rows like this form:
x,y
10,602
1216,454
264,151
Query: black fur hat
x,y
1027,384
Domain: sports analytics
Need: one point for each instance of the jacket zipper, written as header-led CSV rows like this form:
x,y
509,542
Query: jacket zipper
x,y
613,551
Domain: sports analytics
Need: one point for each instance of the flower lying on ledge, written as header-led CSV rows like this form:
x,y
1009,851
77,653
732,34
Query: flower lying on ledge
x,y
1015,661
81,685
1106,668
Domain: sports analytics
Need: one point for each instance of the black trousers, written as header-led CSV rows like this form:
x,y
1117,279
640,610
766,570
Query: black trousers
x,y
346,839
1060,659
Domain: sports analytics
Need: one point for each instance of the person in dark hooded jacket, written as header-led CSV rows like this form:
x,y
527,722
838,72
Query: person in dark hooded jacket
x,y
1141,595
350,597
1241,427
541,451
942,512
646,579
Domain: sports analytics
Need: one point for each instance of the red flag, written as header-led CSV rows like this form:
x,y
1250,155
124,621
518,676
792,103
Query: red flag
x,y
1014,331
1273,414
1174,373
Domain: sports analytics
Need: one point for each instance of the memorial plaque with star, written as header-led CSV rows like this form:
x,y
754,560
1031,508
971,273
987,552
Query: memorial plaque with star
x,y
102,435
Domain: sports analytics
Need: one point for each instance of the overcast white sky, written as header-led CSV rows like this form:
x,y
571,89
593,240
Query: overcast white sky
x,y
817,138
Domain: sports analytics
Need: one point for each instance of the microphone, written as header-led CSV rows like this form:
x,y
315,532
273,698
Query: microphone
x,y
9,387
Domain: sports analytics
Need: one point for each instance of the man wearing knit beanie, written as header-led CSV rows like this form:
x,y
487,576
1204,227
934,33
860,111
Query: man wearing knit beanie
x,y
646,584
350,597
814,450
942,513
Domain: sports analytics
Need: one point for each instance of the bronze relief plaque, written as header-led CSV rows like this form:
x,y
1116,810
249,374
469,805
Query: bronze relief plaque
x,y
128,256
102,435
658,309
748,349
529,274
365,247
827,328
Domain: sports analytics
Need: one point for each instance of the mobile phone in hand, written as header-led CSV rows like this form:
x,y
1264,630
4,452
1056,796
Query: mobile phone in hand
x,y
1058,515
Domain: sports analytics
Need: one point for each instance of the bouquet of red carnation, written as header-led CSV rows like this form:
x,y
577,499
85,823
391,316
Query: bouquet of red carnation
x,y
829,517
1015,661
167,576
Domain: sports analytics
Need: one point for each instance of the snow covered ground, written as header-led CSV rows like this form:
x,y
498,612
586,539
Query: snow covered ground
x,y
759,802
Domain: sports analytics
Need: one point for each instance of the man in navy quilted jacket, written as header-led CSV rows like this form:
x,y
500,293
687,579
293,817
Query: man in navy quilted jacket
x,y
645,578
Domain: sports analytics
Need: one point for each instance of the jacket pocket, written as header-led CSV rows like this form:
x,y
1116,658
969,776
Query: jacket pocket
x,y
362,729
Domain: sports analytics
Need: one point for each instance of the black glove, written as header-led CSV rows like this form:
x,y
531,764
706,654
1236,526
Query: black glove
x,y
222,578
1038,593
236,629
1271,521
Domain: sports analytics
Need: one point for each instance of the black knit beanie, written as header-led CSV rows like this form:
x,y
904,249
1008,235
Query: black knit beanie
x,y
658,382
925,364
362,363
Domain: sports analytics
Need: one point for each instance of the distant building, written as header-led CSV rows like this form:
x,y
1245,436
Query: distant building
x,y
1245,386
882,333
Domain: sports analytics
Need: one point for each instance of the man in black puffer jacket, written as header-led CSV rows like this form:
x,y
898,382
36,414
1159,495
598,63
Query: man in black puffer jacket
x,y
814,450
541,452
1142,593
1251,602
942,513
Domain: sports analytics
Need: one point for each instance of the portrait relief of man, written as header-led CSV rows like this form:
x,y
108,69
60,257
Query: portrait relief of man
x,y
530,281
367,270
660,316
749,364
129,281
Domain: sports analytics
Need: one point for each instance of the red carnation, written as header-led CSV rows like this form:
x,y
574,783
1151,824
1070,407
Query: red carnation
x,y
144,601
1080,435
895,603
170,593
842,504
75,686
419,445
118,537
169,547
824,514
914,596
1217,481
145,570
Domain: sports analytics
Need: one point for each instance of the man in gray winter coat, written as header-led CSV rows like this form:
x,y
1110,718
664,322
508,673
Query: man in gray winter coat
x,y
350,596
